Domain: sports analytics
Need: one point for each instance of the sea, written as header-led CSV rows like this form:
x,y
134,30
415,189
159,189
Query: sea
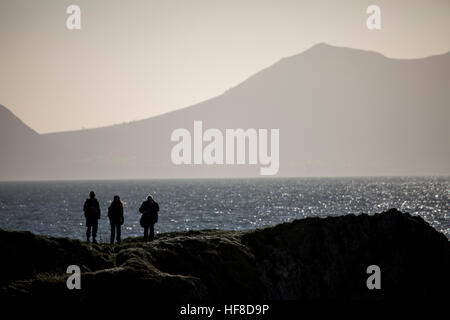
x,y
55,207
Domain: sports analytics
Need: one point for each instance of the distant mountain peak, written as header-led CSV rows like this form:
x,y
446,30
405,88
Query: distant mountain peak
x,y
326,47
322,45
341,112
11,124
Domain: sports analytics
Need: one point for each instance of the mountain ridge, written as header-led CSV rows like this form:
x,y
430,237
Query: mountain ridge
x,y
318,45
6,116
340,111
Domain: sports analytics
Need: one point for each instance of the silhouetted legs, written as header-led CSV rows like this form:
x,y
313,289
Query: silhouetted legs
x,y
92,226
152,232
115,230
146,233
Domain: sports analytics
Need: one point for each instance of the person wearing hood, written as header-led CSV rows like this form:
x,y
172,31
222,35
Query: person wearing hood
x,y
149,209
91,210
116,220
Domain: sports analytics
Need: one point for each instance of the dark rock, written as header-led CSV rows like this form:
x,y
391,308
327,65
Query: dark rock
x,y
304,259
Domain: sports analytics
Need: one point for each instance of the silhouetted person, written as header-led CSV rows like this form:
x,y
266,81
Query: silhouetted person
x,y
91,210
115,215
149,210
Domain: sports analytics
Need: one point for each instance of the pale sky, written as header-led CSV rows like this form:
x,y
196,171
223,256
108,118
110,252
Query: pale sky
x,y
139,58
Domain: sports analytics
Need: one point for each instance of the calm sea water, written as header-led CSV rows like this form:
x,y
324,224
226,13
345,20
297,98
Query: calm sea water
x,y
55,208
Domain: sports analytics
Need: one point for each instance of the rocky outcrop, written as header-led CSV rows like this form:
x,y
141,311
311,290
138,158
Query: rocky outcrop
x,y
304,259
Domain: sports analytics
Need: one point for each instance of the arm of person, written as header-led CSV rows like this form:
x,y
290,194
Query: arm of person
x,y
85,209
156,212
98,209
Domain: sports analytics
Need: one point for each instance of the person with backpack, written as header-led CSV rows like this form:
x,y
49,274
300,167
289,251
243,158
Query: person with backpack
x,y
91,210
149,210
115,215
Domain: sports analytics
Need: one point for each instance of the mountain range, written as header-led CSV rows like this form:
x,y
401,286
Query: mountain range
x,y
339,111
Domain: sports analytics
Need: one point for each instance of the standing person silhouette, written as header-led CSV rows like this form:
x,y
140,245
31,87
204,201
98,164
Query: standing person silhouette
x,y
115,215
149,210
91,210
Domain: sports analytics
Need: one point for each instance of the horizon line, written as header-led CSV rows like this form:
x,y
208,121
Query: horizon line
x,y
228,178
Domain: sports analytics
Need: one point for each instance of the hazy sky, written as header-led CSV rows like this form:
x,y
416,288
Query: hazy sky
x,y
138,58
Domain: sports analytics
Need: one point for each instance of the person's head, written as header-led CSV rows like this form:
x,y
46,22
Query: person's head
x,y
116,199
92,195
149,198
